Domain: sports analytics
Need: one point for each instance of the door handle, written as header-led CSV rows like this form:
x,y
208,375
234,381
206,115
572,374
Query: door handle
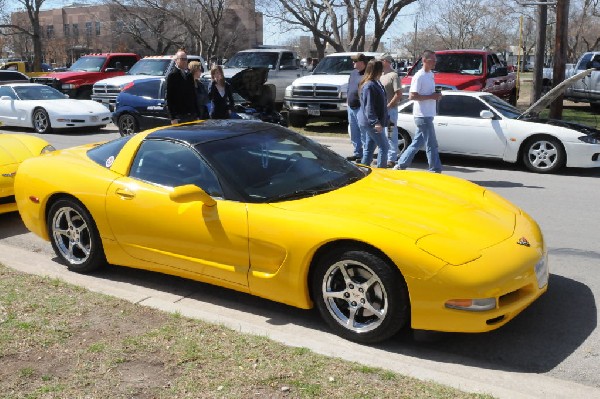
x,y
125,193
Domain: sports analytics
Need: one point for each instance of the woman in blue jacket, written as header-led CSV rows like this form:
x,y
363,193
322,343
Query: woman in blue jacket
x,y
373,116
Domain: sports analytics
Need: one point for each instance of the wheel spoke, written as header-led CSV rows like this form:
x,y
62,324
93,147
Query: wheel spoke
x,y
334,295
380,314
351,317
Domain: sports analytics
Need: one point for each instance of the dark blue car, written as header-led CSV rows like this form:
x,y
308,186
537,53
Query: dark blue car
x,y
141,103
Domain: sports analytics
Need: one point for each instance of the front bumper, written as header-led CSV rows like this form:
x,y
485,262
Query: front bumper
x,y
582,155
70,121
311,107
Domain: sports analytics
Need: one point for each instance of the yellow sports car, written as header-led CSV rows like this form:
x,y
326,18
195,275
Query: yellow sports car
x,y
14,148
257,208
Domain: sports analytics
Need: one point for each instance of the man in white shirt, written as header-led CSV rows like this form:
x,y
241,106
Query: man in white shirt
x,y
422,91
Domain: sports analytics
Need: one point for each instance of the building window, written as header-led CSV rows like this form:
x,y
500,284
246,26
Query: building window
x,y
50,31
75,30
97,28
88,29
67,30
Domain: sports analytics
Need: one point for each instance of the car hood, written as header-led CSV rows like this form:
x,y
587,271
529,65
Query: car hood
x,y
248,83
68,106
121,80
431,209
460,81
335,80
578,127
553,94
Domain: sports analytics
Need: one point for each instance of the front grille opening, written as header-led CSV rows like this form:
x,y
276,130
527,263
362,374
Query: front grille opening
x,y
495,320
7,200
514,296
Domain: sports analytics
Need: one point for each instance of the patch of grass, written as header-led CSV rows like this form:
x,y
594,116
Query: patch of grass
x,y
80,343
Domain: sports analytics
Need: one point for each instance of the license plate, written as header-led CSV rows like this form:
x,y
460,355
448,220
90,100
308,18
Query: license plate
x,y
315,111
94,118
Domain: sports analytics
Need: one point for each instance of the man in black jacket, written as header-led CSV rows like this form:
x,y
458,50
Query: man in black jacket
x,y
181,92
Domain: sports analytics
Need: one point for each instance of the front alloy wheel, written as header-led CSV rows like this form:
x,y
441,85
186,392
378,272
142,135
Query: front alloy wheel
x,y
74,236
41,121
361,296
543,155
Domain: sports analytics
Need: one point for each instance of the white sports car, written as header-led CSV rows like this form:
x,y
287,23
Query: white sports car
x,y
44,108
482,125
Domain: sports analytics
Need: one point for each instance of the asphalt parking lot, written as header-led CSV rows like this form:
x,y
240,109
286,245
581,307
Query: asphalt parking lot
x,y
550,350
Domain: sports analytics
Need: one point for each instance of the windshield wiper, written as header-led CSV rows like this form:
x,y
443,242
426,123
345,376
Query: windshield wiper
x,y
308,192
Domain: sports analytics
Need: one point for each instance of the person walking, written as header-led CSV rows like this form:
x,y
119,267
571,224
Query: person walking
x,y
220,94
181,93
357,138
422,91
201,91
372,115
393,90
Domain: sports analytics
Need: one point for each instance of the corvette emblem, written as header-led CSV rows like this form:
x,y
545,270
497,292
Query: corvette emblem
x,y
523,241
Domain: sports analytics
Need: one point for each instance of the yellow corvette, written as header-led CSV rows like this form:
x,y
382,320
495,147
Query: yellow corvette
x,y
257,208
14,148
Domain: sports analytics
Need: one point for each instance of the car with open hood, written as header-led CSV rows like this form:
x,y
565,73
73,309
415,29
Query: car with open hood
x,y
482,125
255,207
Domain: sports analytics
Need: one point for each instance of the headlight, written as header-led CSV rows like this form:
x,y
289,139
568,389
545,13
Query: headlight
x,y
68,86
47,149
589,139
289,90
343,95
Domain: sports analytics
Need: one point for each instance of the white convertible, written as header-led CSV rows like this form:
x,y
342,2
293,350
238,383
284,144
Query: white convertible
x,y
44,108
482,125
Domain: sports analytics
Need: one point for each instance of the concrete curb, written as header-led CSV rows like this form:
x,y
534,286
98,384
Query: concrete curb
x,y
502,384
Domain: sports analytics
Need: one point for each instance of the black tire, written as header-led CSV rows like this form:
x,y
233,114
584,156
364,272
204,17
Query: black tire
x,y
595,107
74,236
543,154
296,120
345,302
41,121
127,125
404,141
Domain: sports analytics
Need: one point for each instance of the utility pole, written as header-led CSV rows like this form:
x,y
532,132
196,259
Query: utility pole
x,y
540,50
560,53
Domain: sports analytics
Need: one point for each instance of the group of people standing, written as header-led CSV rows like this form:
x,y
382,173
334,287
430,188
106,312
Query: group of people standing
x,y
188,99
374,92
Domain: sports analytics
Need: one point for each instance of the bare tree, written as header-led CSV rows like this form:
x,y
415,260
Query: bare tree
x,y
584,28
32,30
342,24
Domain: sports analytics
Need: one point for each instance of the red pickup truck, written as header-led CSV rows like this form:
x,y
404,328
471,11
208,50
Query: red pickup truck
x,y
471,70
79,79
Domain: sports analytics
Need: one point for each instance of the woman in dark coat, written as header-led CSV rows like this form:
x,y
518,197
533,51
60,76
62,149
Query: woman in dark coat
x,y
201,90
220,94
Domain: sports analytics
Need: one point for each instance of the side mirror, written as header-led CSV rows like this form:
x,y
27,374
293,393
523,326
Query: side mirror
x,y
191,193
485,114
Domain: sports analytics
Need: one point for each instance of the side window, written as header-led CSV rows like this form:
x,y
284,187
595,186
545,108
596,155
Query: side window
x,y
491,67
288,60
408,109
172,164
122,63
7,91
584,60
460,106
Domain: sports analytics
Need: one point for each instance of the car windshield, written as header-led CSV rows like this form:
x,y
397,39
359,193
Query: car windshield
x,y
276,164
88,64
151,67
465,64
337,65
253,60
501,106
41,92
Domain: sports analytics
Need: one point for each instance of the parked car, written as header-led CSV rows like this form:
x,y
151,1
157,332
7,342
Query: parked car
x,y
258,208
14,149
44,108
141,103
482,125
12,76
587,90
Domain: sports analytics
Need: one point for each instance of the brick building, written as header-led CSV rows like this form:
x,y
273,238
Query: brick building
x,y
77,29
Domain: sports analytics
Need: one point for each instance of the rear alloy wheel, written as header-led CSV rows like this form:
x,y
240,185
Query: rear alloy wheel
x,y
404,141
74,236
361,296
543,155
41,121
127,125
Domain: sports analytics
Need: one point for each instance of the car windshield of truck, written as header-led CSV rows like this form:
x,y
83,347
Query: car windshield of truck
x,y
88,64
465,64
150,67
339,65
501,106
253,60
41,92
